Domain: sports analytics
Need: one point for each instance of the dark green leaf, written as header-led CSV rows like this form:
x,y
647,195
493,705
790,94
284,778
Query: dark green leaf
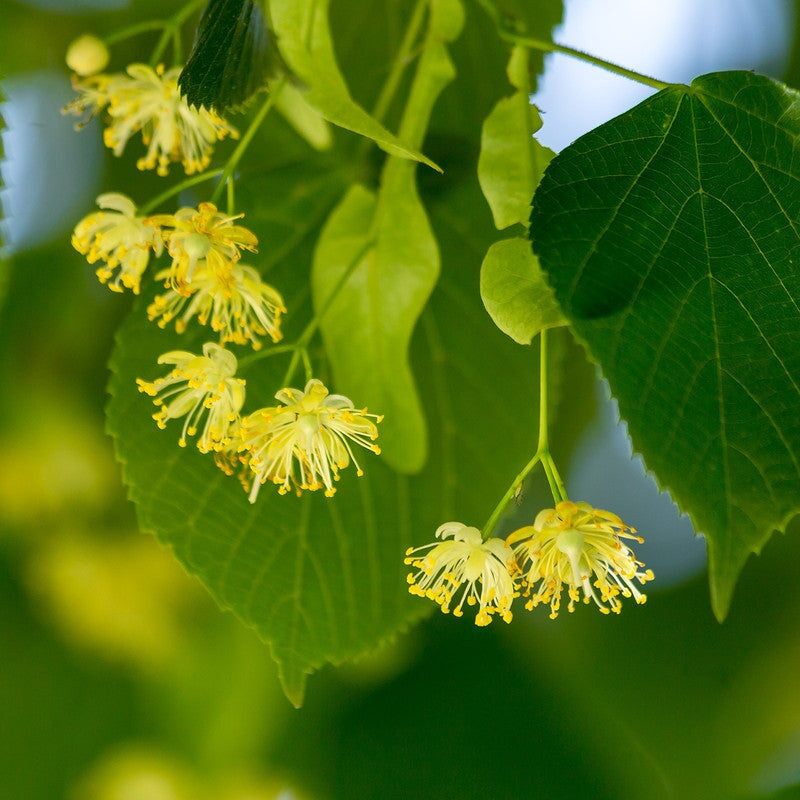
x,y
232,56
671,237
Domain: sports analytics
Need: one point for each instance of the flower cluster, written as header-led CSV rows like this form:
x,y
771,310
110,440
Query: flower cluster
x,y
197,384
118,238
462,567
147,100
572,545
302,443
206,279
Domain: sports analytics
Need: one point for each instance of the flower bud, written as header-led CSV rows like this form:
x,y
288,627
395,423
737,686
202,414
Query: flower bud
x,y
87,55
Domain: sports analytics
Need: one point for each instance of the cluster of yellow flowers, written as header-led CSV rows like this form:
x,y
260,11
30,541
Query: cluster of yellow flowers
x,y
147,100
300,444
572,545
303,442
206,279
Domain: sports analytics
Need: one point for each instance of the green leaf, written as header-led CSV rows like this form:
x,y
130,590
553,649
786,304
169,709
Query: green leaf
x,y
231,58
367,329
515,293
512,162
303,118
305,42
380,259
321,579
534,19
670,236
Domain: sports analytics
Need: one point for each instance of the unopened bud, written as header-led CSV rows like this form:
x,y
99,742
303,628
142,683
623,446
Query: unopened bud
x,y
87,55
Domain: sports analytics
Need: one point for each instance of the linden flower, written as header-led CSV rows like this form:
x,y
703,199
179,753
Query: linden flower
x,y
305,441
580,547
149,101
463,568
201,237
198,384
120,239
240,306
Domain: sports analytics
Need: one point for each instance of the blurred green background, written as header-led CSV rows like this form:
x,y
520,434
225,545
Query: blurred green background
x,y
120,679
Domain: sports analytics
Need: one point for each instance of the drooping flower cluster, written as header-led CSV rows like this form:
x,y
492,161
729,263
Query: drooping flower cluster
x,y
147,100
118,238
463,568
581,548
301,444
194,386
572,545
206,279
304,442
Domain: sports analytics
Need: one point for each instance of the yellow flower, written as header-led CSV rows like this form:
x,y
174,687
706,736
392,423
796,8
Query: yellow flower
x,y
120,239
305,441
463,568
581,547
240,306
201,238
195,385
149,101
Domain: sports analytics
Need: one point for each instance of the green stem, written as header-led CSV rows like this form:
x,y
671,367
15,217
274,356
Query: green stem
x,y
134,30
247,361
401,60
184,13
177,47
165,195
172,31
161,46
168,26
550,47
231,198
543,446
310,329
542,451
233,161
507,497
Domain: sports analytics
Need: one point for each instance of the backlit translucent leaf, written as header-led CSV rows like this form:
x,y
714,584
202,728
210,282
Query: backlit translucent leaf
x,y
304,40
306,120
368,328
671,237
384,251
515,293
512,162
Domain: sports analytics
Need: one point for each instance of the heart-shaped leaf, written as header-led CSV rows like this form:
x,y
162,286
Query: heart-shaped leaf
x,y
671,236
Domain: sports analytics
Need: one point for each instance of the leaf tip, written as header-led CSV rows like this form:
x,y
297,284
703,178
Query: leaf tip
x,y
721,597
293,682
